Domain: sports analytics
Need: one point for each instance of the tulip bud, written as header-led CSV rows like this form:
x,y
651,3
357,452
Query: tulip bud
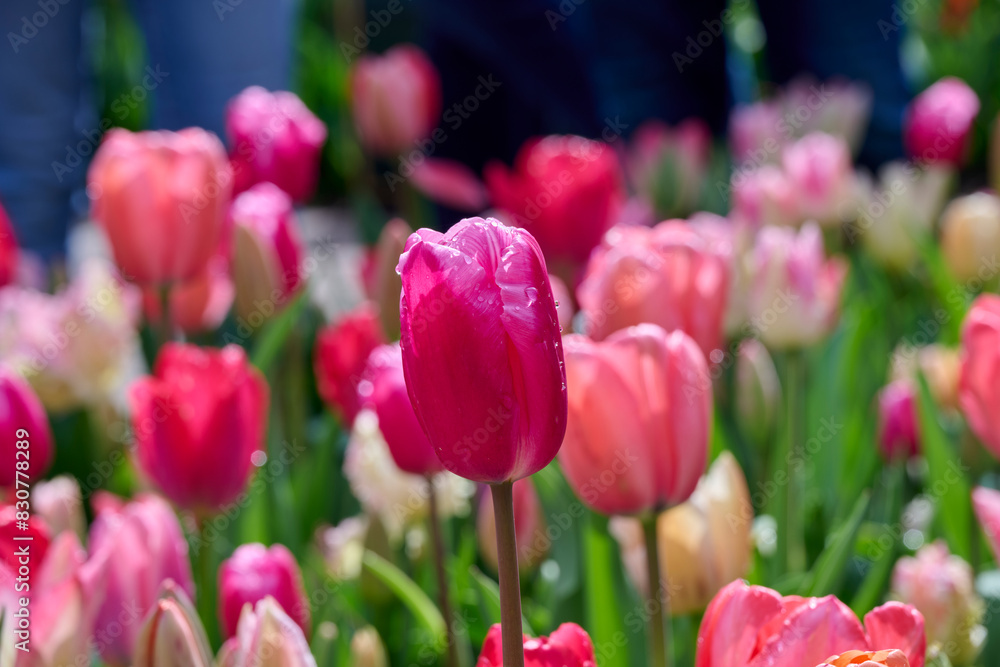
x,y
342,350
758,391
274,138
198,305
382,283
26,445
483,288
764,196
668,166
199,420
899,433
566,191
939,121
10,254
794,298
266,636
161,198
941,587
639,411
267,252
396,99
970,236
383,389
568,646
672,275
529,528
367,649
58,501
255,571
172,634
891,658
704,543
978,390
134,548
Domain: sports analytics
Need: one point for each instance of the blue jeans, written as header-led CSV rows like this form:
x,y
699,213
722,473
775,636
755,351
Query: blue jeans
x,y
200,53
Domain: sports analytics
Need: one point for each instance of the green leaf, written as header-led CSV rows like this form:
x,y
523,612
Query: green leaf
x,y
409,593
827,573
275,333
604,616
489,594
946,484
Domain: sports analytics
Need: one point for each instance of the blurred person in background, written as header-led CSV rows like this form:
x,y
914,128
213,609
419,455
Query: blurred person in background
x,y
199,54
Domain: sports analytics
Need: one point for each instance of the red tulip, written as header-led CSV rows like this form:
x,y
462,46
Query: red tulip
x,y
274,138
383,389
342,350
396,99
529,528
198,420
939,121
10,254
640,405
568,646
978,391
11,526
565,190
135,547
267,251
899,432
481,349
753,626
986,503
252,573
26,443
671,275
161,198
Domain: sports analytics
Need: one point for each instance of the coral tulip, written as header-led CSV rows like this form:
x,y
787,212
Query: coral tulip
x,y
640,405
568,646
893,658
342,350
198,420
497,411
978,391
939,121
26,444
255,571
161,198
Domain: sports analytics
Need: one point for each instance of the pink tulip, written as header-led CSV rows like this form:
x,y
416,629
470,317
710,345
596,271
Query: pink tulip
x,y
396,99
266,636
764,196
10,254
671,275
794,297
26,445
274,138
341,353
986,503
198,305
568,646
668,165
755,132
899,432
565,190
481,349
564,302
939,121
978,392
819,171
254,572
640,405
198,420
383,389
450,183
529,528
134,547
172,634
267,251
753,626
161,198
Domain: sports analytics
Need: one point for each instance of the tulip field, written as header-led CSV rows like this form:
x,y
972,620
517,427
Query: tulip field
x,y
657,397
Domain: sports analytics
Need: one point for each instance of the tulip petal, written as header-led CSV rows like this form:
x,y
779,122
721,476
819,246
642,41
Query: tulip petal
x,y
895,625
816,630
729,628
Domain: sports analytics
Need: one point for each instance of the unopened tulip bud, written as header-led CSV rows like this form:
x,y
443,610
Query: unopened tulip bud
x,y
939,122
899,433
367,649
26,443
172,634
255,571
970,236
266,636
529,528
758,390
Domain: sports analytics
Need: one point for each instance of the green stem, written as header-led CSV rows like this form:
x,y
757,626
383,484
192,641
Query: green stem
x,y
510,584
795,405
438,556
658,656
206,584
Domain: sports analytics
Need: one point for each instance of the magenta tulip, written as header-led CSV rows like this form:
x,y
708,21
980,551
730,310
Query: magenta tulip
x,y
161,198
640,405
135,547
10,254
198,420
396,99
568,646
978,390
274,138
899,432
342,349
481,349
254,572
26,443
383,389
939,121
